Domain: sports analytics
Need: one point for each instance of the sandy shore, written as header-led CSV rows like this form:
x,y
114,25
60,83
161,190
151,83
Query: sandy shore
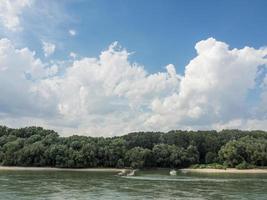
x,y
228,170
186,170
7,168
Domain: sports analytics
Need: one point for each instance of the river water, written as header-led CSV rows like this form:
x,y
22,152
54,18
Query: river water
x,y
158,184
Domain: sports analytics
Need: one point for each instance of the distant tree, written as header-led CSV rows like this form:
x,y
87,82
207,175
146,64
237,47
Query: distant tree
x,y
245,150
211,157
35,146
138,157
10,151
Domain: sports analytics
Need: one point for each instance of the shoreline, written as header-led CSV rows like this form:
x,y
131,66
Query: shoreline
x,y
17,168
224,171
124,170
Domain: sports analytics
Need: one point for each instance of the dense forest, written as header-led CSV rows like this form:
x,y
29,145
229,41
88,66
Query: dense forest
x,y
35,146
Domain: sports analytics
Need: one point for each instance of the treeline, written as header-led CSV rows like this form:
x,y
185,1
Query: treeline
x,y
35,146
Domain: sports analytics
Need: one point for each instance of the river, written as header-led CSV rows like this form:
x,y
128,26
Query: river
x,y
157,184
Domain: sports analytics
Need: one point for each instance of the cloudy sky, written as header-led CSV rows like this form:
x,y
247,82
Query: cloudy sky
x,y
105,68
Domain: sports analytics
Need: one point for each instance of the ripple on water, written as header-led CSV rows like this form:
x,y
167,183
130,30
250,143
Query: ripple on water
x,y
72,185
147,178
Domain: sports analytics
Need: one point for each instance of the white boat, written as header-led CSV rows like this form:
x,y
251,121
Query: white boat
x,y
132,173
173,172
122,173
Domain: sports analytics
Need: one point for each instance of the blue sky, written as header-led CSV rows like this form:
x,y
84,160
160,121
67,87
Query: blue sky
x,y
159,32
162,32
101,82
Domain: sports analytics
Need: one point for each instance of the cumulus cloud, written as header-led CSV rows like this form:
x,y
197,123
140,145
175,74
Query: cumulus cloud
x,y
214,88
73,55
19,72
109,95
10,12
72,32
48,48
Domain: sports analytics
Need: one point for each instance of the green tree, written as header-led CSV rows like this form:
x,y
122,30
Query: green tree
x,y
138,157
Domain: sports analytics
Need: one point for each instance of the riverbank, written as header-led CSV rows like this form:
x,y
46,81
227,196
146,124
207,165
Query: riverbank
x,y
124,171
228,170
14,168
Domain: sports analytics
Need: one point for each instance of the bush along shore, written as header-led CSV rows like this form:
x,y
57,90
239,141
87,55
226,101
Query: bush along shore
x,y
38,147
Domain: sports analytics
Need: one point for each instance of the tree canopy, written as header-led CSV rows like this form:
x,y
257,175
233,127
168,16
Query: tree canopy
x,y
35,146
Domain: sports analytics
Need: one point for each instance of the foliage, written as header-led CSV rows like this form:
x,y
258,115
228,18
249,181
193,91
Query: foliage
x,y
35,146
208,166
138,157
245,150
244,165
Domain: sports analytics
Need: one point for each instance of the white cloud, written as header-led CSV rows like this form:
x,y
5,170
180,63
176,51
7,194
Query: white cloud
x,y
109,95
73,55
103,94
72,32
48,48
19,72
10,12
214,88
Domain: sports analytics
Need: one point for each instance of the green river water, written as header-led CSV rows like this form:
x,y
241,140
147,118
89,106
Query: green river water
x,y
150,184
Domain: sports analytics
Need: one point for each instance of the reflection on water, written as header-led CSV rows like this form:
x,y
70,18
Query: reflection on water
x,y
145,185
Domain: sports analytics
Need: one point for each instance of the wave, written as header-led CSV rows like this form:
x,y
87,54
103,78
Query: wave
x,y
191,179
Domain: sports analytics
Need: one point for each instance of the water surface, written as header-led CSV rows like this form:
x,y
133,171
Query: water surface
x,y
146,185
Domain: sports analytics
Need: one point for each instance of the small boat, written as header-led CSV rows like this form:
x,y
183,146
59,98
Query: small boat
x,y
121,174
173,172
132,173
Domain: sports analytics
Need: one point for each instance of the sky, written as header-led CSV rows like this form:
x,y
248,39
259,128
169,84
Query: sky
x,y
106,68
